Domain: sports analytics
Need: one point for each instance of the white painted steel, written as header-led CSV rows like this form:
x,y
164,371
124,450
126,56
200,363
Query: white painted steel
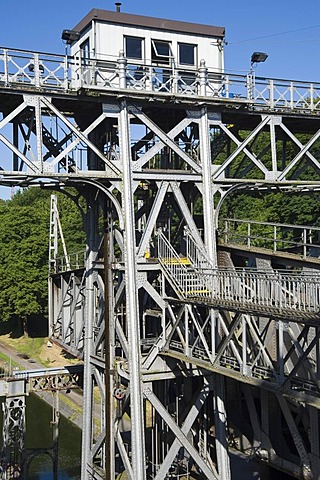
x,y
132,304
50,72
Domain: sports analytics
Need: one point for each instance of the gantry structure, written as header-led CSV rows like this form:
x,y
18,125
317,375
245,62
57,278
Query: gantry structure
x,y
189,355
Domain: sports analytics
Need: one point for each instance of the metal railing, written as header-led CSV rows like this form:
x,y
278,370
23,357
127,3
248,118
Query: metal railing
x,y
276,292
72,261
34,69
279,290
196,254
299,239
171,262
44,71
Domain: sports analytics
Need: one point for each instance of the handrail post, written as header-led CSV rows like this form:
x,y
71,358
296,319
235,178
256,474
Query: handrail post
x,y
226,231
271,93
6,66
304,243
36,66
203,76
311,96
250,85
291,95
149,78
175,82
122,66
66,72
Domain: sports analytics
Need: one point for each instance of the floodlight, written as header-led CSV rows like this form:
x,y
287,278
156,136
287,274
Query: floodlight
x,y
70,36
258,57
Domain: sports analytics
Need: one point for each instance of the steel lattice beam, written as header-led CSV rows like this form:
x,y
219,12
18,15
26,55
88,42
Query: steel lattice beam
x,y
186,155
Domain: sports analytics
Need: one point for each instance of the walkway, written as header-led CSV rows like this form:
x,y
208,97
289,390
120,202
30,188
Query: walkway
x,y
274,293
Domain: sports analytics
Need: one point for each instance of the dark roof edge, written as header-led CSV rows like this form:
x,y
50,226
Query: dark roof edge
x,y
151,22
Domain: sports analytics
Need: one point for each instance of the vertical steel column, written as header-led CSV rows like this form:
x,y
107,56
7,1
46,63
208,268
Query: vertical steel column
x,y
280,351
221,429
55,425
13,430
210,241
53,235
314,441
208,205
91,228
273,141
39,132
16,144
132,309
109,345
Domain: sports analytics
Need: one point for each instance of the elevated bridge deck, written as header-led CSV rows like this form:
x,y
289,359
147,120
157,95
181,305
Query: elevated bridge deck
x,y
282,294
46,72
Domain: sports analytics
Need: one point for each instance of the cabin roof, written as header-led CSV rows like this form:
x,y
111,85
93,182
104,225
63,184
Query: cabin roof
x,y
148,22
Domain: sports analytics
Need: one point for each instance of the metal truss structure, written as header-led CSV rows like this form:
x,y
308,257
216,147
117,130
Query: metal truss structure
x,y
187,355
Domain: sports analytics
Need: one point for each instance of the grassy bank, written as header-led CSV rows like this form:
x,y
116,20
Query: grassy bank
x,y
34,347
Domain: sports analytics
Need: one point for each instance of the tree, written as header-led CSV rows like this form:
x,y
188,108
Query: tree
x,y
24,235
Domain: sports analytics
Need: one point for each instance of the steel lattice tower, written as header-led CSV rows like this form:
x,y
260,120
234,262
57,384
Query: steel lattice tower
x,y
178,371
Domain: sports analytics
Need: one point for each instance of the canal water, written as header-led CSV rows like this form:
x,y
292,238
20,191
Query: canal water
x,y
39,435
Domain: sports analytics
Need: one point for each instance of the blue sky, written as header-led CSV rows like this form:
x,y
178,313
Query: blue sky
x,y
288,30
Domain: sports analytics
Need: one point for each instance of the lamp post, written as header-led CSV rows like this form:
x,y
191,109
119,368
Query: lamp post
x,y
256,57
68,37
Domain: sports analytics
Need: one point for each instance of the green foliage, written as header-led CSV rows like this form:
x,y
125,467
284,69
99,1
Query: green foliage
x,y
24,246
266,206
289,208
24,252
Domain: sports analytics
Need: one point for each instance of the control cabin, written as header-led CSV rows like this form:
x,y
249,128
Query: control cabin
x,y
165,46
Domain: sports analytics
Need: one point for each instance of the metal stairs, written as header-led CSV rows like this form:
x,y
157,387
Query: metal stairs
x,y
183,273
264,292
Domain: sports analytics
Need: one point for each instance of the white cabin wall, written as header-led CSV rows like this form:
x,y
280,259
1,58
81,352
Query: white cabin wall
x,y
106,41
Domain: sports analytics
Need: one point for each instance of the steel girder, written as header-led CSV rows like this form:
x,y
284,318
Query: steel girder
x,y
159,169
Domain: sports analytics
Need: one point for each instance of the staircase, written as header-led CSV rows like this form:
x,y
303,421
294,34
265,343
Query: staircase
x,y
266,292
181,272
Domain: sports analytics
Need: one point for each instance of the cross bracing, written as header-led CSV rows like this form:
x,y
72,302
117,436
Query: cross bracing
x,y
166,367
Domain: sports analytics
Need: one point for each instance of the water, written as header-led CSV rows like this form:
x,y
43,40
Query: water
x,y
39,435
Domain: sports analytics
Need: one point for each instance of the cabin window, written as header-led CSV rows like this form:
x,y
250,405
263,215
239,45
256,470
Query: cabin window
x,y
161,51
85,52
187,54
133,47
